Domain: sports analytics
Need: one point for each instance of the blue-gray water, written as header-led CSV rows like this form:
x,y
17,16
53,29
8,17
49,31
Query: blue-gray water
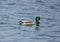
x,y
12,11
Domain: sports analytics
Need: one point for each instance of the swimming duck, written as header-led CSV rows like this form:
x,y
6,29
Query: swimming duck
x,y
29,23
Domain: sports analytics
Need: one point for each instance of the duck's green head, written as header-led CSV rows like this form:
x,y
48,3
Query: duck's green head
x,y
37,19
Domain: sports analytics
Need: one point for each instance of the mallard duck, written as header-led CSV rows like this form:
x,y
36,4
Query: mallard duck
x,y
28,22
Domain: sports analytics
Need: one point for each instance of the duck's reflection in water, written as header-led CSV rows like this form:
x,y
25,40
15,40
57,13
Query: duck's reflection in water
x,y
31,27
37,28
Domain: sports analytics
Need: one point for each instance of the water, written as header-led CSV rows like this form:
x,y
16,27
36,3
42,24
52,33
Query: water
x,y
12,11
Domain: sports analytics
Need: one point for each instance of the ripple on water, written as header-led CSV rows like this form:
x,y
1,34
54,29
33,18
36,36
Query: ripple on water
x,y
11,3
3,0
40,2
3,23
2,37
57,4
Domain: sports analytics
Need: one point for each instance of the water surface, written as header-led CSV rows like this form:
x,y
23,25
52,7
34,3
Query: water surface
x,y
12,11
